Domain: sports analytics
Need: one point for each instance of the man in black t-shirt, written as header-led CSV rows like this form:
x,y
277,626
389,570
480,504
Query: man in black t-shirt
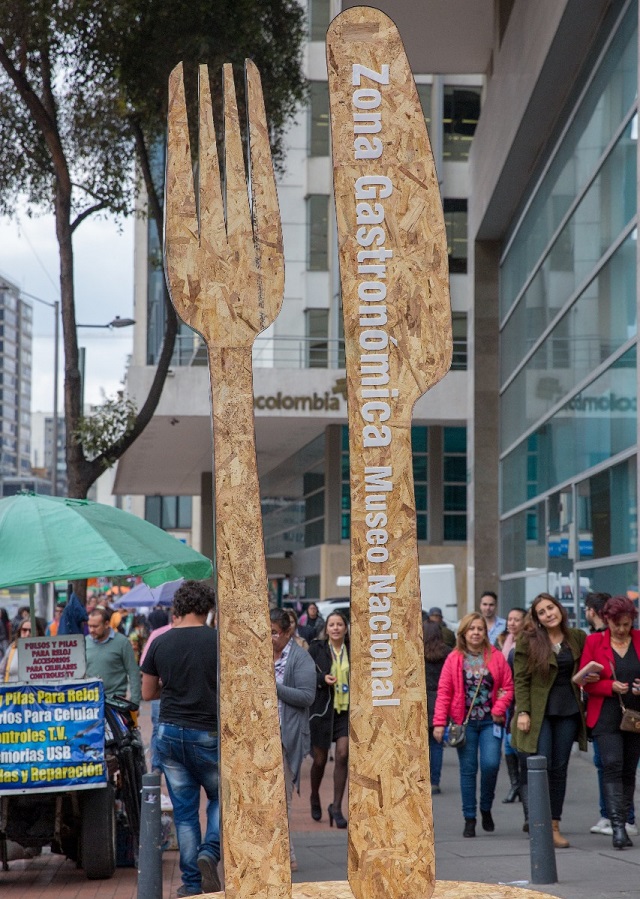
x,y
180,669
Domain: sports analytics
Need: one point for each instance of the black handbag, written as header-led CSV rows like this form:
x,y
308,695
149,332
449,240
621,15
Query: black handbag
x,y
630,720
457,733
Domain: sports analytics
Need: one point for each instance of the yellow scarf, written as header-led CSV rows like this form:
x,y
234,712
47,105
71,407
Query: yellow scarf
x,y
340,670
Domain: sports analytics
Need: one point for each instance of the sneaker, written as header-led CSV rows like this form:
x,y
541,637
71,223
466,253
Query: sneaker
x,y
209,870
186,891
603,826
632,830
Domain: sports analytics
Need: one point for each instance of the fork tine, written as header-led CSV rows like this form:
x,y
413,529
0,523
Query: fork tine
x,y
265,214
181,221
236,194
212,228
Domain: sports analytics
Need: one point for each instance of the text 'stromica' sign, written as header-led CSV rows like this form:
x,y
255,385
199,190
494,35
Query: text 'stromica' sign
x,y
52,658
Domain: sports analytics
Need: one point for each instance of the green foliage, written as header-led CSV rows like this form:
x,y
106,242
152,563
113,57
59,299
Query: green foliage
x,y
106,426
100,72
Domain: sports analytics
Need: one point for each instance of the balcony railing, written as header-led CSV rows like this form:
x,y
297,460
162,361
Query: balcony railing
x,y
291,352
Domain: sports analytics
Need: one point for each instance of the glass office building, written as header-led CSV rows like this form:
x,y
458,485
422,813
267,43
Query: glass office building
x,y
568,344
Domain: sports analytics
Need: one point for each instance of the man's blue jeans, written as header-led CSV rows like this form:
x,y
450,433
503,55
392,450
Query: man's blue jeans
x,y
189,761
481,743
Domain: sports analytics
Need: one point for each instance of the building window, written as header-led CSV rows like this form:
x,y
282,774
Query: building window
x,y
459,328
319,137
168,512
419,448
424,95
317,324
318,232
455,220
461,106
319,18
293,501
454,478
420,456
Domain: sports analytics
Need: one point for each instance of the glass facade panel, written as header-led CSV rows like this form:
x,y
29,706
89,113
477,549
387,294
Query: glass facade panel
x,y
455,220
424,94
607,513
607,101
317,321
461,110
454,462
319,18
319,136
523,540
590,428
605,210
602,319
294,500
617,580
318,232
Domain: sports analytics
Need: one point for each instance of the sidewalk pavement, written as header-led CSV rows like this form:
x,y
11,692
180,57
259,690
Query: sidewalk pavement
x,y
590,869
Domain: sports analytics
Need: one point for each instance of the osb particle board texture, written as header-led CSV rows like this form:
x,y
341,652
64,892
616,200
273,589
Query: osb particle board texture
x,y
444,889
225,271
398,341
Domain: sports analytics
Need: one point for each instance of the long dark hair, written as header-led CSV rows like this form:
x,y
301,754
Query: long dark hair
x,y
536,638
435,649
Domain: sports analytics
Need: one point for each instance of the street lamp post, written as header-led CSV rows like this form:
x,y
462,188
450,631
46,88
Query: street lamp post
x,y
117,322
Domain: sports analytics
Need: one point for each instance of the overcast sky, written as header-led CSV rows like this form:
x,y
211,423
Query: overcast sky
x,y
103,264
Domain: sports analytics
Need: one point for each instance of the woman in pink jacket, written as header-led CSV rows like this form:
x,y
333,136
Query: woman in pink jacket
x,y
475,686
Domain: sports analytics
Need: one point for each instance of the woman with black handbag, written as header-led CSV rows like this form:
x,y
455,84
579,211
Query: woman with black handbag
x,y
475,690
617,649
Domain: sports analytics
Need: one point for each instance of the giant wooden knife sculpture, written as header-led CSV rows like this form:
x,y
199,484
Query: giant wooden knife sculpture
x,y
225,269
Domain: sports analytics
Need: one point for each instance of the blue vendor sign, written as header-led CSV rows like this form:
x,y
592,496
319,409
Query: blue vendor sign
x,y
51,737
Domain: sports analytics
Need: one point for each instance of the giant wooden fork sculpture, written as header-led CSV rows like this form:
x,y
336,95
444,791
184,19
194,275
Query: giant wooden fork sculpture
x,y
225,269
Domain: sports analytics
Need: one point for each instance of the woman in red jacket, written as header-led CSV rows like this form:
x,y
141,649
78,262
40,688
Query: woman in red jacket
x,y
617,649
475,686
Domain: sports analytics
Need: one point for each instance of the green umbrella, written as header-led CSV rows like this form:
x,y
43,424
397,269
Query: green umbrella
x,y
46,538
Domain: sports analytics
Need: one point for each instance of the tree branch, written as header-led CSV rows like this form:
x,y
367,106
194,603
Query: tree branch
x,y
86,213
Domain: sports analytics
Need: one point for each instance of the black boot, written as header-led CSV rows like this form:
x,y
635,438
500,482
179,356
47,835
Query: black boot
x,y
628,791
514,777
524,795
469,827
616,809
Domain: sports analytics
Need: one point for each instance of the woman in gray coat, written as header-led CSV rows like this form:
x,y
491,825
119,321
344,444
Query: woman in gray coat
x,y
296,689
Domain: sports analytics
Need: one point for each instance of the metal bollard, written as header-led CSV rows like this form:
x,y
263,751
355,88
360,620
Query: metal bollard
x,y
150,855
543,856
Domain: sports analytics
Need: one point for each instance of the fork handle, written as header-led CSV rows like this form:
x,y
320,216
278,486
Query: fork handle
x,y
255,833
391,850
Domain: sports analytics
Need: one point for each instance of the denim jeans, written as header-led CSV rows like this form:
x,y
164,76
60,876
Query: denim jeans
x,y
435,759
155,724
189,761
557,735
480,742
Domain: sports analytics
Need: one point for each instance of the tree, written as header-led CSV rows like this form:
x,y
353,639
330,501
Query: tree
x,y
83,92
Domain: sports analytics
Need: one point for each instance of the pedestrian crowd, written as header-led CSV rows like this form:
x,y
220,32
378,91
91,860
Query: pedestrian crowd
x,y
529,685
